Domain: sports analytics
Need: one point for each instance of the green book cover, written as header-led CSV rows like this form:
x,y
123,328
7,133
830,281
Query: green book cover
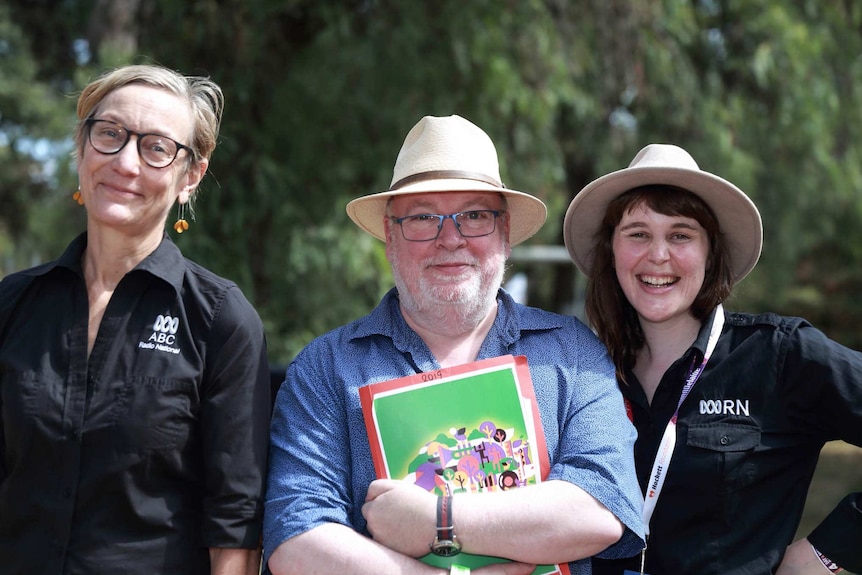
x,y
472,428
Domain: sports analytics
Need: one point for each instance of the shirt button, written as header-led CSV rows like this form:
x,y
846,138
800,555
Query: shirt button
x,y
724,440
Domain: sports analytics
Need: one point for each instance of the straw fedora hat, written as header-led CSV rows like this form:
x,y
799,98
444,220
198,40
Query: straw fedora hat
x,y
448,154
665,164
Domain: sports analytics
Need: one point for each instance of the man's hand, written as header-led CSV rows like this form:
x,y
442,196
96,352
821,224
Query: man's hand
x,y
401,516
799,559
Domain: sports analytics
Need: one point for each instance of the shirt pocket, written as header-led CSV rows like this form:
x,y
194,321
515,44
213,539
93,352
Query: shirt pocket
x,y
731,446
23,395
152,414
31,402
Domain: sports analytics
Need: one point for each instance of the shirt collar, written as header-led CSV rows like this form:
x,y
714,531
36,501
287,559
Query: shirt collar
x,y
697,350
693,354
165,262
703,335
386,320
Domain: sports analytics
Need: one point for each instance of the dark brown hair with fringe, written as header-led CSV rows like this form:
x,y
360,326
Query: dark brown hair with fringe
x,y
608,311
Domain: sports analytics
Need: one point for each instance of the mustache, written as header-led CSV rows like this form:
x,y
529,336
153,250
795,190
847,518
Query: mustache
x,y
447,259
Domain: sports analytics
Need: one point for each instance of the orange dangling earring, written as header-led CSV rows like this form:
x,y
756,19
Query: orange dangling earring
x,y
78,197
181,225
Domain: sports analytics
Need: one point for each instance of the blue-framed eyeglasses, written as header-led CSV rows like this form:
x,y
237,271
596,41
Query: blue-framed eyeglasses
x,y
156,150
470,224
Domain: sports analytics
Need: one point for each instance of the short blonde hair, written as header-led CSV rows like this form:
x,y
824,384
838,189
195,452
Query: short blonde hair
x,y
204,97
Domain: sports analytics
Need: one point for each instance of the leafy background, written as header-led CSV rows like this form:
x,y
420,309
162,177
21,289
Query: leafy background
x,y
320,94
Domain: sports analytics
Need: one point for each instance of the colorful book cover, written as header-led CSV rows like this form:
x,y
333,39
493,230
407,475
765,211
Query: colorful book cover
x,y
471,428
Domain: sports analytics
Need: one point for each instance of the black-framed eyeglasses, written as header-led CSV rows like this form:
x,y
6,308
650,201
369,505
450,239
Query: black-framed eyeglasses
x,y
470,224
156,150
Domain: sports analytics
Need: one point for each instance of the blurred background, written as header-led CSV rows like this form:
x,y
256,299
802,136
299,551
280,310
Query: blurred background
x,y
321,93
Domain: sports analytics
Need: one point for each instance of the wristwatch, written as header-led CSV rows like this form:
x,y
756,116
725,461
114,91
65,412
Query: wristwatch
x,y
446,543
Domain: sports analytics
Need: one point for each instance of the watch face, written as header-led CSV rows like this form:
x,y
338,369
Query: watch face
x,y
445,547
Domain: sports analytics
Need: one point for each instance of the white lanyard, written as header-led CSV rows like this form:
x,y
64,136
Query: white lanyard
x,y
668,440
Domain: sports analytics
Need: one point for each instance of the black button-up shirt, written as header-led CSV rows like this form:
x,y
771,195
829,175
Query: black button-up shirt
x,y
748,438
152,450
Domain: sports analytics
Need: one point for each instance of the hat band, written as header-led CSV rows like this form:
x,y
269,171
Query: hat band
x,y
445,175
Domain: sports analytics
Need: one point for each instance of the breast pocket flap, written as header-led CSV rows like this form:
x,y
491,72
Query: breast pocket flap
x,y
724,437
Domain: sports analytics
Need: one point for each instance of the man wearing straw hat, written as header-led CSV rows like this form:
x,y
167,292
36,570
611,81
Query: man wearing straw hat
x,y
449,224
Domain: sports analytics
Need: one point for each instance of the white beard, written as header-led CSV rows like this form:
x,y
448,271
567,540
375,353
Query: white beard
x,y
457,306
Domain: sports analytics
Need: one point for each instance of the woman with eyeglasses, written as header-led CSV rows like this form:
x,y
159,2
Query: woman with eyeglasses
x,y
134,387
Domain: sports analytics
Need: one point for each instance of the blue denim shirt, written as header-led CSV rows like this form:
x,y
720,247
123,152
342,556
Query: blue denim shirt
x,y
321,465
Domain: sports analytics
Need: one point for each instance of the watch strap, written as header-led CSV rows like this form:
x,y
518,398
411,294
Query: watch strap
x,y
445,527
445,544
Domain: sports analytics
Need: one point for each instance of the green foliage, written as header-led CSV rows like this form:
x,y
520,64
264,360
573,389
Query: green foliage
x,y
321,93
34,160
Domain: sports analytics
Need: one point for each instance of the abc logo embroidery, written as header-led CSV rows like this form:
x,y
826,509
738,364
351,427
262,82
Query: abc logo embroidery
x,y
738,407
166,324
164,335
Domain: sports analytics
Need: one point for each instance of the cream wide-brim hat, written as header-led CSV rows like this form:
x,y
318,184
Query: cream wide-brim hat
x,y
449,154
665,164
